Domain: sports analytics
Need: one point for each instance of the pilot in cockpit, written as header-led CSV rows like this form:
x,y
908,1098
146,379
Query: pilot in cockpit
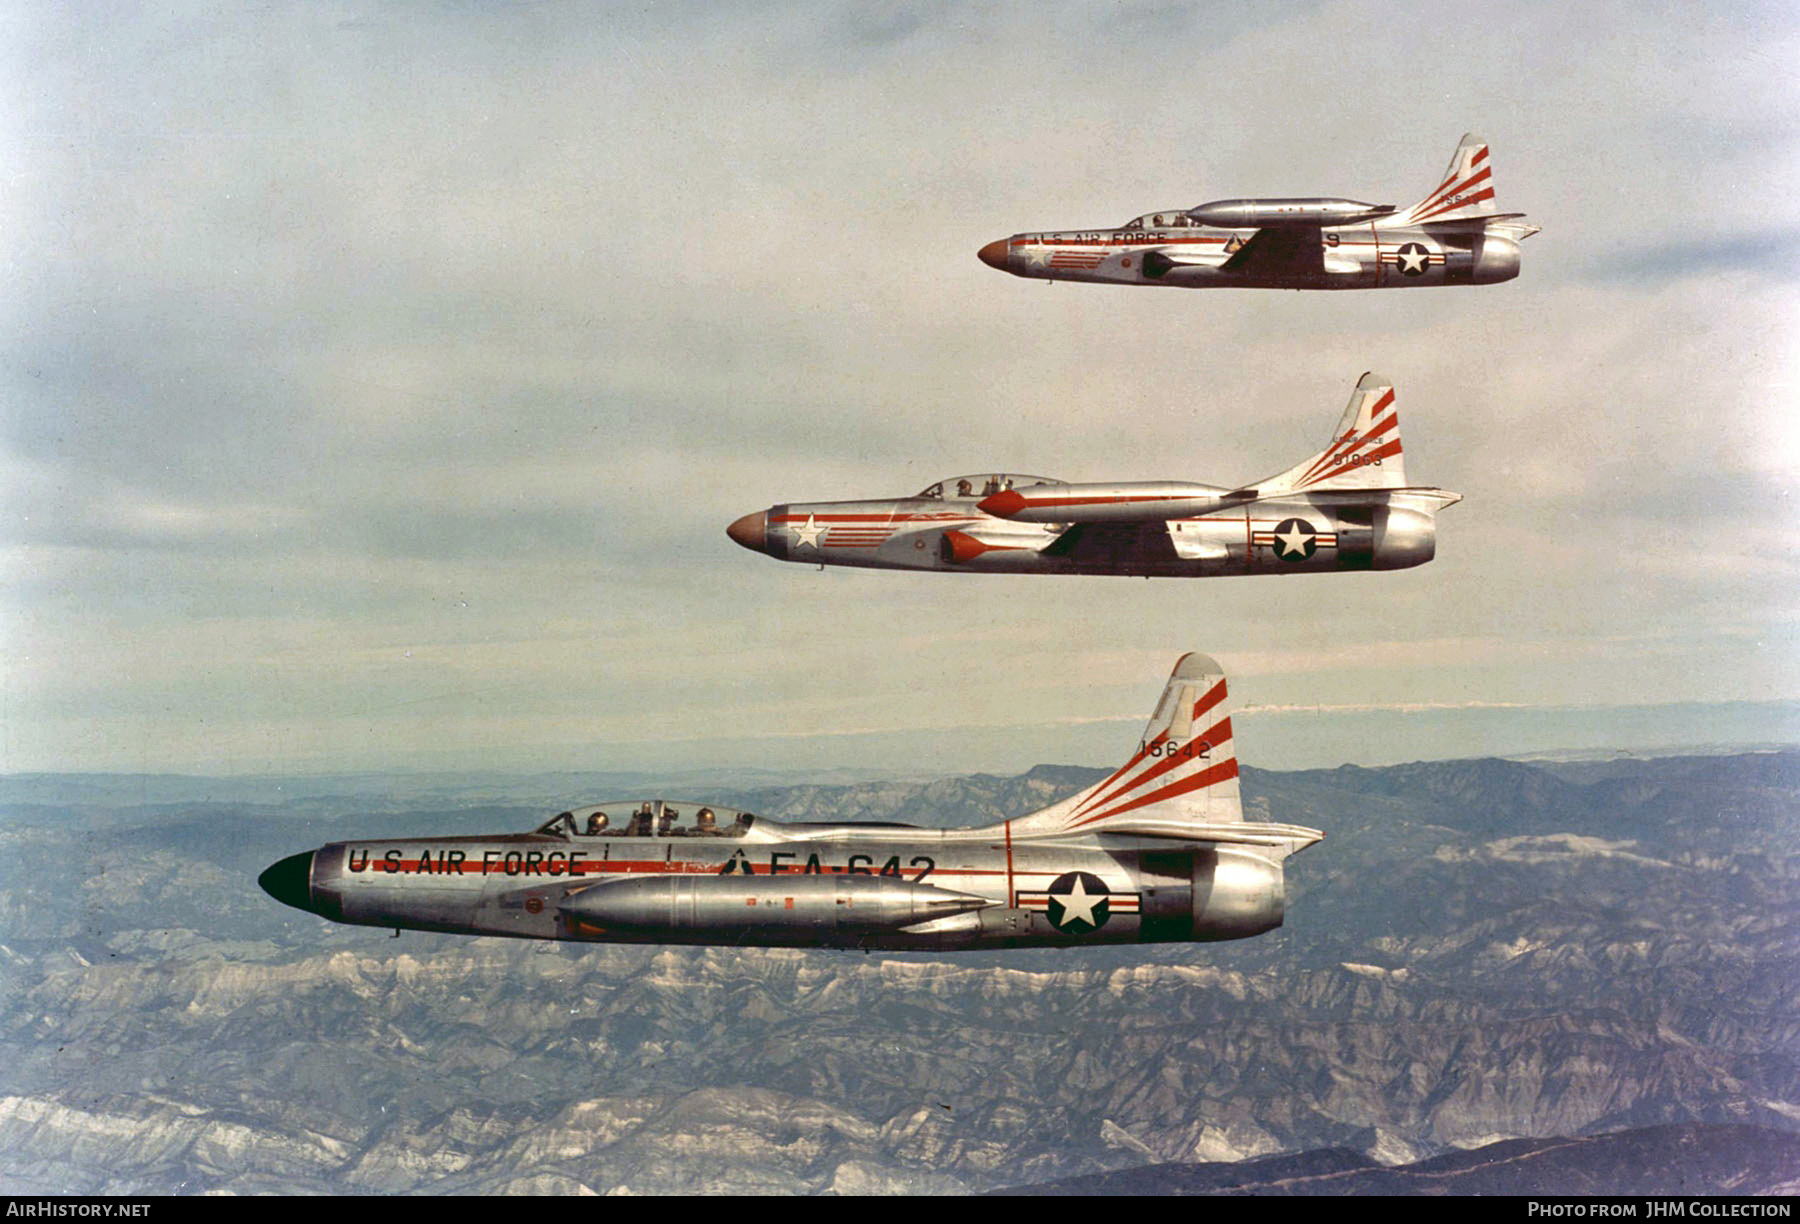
x,y
964,489
596,824
705,823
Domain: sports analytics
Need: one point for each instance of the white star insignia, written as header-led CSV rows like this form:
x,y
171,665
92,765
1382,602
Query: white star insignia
x,y
1294,540
809,534
1413,260
1037,256
1078,905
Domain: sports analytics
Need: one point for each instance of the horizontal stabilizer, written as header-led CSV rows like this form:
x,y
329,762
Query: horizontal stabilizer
x,y
1290,839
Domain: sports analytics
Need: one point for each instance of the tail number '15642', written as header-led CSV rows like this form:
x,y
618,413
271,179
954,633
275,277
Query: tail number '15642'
x,y
1198,750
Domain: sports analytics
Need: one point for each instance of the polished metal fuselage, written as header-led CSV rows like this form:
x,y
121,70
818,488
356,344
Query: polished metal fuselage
x,y
800,886
1361,256
1316,532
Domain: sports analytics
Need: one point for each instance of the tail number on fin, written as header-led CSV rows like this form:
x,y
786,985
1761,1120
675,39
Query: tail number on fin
x,y
1199,750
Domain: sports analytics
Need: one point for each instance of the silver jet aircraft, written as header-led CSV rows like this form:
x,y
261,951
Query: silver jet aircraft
x,y
1347,507
1454,236
1158,851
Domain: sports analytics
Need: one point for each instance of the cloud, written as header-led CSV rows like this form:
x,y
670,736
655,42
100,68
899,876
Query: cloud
x,y
347,333
1773,254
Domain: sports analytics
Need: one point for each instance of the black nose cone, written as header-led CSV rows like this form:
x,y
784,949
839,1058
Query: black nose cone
x,y
290,881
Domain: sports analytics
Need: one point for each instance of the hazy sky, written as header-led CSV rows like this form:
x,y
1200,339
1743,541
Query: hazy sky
x,y
378,381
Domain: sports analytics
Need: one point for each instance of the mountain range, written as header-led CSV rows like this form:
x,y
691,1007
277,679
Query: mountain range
x,y
1481,952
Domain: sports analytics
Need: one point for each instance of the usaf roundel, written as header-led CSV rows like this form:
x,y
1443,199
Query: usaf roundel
x,y
1412,259
1078,903
1295,540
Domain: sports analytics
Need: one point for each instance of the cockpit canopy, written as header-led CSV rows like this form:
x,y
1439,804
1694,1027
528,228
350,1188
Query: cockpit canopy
x,y
648,818
983,484
1174,219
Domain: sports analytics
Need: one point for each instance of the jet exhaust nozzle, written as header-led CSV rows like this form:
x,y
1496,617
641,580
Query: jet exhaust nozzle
x,y
1237,895
1496,260
1403,538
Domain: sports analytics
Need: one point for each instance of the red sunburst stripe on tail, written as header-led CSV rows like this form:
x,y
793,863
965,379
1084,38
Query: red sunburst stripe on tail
x,y
1383,452
1355,440
1221,772
1136,757
1212,697
1215,736
1334,458
1480,176
1450,187
1486,193
1352,456
1439,203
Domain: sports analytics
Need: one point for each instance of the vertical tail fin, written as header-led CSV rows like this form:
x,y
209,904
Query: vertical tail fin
x,y
1182,778
1467,190
1365,450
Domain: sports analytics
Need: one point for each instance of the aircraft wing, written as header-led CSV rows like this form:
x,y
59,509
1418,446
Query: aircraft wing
x,y
1279,251
1099,543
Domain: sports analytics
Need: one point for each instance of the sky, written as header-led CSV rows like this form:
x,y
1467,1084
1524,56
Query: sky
x,y
377,382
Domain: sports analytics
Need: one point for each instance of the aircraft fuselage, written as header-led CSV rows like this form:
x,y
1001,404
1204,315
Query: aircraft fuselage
x,y
1192,256
800,886
1314,533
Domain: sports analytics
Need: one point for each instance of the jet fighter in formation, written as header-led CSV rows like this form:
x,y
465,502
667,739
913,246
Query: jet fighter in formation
x,y
1157,851
1454,236
1346,508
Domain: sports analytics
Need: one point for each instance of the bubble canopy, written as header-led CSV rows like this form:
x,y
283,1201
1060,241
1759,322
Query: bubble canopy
x,y
647,818
1174,219
983,484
